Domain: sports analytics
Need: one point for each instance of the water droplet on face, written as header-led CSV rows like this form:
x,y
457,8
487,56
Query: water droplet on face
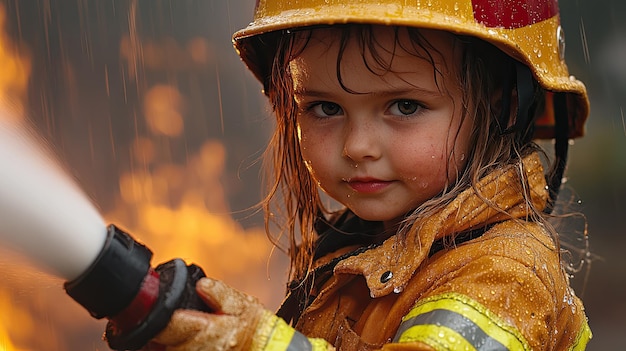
x,y
397,289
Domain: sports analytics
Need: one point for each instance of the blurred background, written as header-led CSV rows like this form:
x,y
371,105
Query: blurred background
x,y
152,113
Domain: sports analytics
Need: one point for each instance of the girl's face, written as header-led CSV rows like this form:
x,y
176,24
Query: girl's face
x,y
381,141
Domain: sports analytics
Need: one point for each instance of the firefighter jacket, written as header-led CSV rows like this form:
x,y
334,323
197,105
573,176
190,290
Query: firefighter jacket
x,y
468,277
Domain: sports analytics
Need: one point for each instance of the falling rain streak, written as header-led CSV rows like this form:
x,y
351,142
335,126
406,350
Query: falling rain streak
x,y
151,110
131,95
585,44
621,112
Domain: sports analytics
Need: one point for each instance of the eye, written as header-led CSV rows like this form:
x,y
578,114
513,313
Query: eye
x,y
405,107
326,109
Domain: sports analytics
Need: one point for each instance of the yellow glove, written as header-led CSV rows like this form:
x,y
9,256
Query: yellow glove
x,y
239,322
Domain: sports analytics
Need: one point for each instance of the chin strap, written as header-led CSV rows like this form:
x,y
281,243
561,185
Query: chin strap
x,y
524,125
561,144
521,79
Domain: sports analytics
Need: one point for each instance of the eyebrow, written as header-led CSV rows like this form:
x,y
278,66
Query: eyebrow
x,y
321,94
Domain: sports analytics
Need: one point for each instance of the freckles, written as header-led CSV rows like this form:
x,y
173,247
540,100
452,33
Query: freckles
x,y
438,152
309,145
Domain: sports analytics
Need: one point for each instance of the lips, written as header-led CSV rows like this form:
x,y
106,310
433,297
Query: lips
x,y
368,185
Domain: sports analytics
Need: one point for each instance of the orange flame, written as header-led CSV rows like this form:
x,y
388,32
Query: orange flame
x,y
17,317
15,69
13,84
178,210
181,210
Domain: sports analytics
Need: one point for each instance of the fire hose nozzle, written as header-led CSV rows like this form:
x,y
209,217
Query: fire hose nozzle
x,y
138,301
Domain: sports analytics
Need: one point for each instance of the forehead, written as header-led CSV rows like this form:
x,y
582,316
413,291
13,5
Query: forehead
x,y
384,51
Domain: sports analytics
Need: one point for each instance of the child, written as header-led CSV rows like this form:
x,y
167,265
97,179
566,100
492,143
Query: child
x,y
417,117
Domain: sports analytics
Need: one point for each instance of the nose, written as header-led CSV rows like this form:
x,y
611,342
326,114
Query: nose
x,y
362,141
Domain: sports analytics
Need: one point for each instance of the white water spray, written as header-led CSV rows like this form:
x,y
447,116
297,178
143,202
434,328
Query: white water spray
x,y
43,214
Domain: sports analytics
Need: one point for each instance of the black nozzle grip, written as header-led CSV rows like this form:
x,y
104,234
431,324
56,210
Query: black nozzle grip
x,y
177,289
114,278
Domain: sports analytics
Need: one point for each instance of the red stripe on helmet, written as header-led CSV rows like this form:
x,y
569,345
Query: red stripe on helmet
x,y
512,14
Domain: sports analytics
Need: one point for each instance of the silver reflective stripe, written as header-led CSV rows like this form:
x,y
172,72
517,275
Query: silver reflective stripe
x,y
299,342
457,322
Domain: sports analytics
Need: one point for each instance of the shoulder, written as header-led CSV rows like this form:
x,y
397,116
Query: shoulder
x,y
508,282
511,275
528,243
514,250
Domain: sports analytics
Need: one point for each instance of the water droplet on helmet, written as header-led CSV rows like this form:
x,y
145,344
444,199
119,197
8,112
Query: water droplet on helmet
x,y
560,38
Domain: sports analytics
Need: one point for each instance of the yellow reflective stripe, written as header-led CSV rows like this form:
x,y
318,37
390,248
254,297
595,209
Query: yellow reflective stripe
x,y
464,327
583,338
266,325
438,337
491,324
320,344
281,337
274,334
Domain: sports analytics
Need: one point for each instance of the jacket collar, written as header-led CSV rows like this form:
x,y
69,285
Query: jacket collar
x,y
388,267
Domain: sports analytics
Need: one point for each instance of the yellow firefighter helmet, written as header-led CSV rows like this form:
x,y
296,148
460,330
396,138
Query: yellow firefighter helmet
x,y
527,30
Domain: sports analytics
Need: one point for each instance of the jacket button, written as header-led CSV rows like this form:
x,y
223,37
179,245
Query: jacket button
x,y
385,277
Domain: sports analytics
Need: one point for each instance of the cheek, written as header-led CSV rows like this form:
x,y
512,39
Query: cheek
x,y
312,149
421,160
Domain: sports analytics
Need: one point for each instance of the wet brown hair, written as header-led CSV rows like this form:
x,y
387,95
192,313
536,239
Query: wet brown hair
x,y
481,69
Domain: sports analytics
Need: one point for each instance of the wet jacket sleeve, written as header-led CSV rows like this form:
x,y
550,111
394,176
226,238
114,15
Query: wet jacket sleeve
x,y
274,334
493,303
